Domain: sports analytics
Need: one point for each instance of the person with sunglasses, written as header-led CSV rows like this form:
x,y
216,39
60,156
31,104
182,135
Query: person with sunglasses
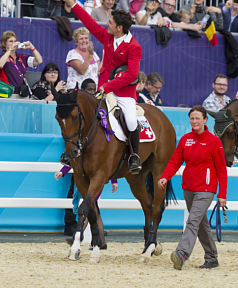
x,y
150,94
217,99
150,15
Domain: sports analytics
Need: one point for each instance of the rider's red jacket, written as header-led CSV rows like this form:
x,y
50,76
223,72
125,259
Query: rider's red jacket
x,y
205,163
129,52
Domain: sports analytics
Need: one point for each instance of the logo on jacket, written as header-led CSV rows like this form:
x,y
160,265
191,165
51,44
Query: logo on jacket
x,y
190,142
203,144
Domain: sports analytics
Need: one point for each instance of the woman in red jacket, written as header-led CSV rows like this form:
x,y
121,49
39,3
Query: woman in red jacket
x,y
205,165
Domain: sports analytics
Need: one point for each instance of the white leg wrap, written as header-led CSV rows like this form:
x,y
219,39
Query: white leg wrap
x,y
146,257
95,255
74,251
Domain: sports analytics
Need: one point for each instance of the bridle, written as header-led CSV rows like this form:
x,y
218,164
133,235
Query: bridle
x,y
231,121
81,117
81,145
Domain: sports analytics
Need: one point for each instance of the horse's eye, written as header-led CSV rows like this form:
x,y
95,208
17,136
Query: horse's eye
x,y
230,134
75,118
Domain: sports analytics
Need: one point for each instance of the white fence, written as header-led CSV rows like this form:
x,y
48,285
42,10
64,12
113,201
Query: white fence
x,y
103,203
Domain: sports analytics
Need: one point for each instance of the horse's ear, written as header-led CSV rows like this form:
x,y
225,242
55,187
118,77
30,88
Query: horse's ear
x,y
54,92
212,113
74,93
228,113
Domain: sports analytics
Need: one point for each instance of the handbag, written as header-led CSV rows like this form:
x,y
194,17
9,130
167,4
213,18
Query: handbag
x,y
24,91
6,90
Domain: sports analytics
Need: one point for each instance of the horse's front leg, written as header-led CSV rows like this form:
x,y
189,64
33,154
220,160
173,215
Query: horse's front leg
x,y
96,240
83,211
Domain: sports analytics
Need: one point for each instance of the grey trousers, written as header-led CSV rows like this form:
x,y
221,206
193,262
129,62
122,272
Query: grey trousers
x,y
197,226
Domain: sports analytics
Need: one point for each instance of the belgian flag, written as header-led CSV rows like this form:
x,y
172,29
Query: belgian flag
x,y
211,33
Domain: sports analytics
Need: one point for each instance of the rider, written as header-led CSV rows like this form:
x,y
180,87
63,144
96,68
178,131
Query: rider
x,y
120,48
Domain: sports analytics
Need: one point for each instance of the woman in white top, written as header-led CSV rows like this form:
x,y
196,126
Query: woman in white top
x,y
82,62
150,16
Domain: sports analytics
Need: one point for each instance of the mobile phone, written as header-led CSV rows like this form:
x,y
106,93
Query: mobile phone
x,y
65,82
205,19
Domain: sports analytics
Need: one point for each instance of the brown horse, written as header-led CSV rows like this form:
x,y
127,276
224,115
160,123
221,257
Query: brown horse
x,y
95,160
226,128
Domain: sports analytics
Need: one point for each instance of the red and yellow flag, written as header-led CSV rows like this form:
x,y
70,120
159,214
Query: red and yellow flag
x,y
211,34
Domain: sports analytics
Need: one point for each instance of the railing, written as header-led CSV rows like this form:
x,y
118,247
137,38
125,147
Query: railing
x,y
8,7
67,203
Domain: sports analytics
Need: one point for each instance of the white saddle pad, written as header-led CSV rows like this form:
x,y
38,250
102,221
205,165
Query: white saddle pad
x,y
146,134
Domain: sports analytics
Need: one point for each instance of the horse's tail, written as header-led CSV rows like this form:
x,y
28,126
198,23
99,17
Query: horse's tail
x,y
169,194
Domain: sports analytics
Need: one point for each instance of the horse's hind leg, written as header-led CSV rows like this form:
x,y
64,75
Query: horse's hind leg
x,y
138,188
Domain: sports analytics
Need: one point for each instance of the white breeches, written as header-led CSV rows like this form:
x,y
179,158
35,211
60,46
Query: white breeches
x,y
128,106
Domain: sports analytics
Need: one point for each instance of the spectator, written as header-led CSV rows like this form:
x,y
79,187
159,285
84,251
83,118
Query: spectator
x,y
230,13
172,20
217,99
46,8
150,94
13,65
204,157
66,11
184,16
42,89
198,11
150,15
155,15
82,62
103,13
132,6
89,85
90,5
141,83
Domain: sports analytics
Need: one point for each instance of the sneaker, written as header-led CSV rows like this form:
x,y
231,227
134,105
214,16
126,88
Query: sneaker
x,y
209,265
177,260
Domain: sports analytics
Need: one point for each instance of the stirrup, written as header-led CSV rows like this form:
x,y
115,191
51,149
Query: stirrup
x,y
64,160
136,169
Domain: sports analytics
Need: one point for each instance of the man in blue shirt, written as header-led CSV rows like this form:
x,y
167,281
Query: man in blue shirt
x,y
230,15
150,94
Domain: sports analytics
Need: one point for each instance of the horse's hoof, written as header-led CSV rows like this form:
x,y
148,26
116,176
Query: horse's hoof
x,y
158,250
95,255
74,255
146,257
95,259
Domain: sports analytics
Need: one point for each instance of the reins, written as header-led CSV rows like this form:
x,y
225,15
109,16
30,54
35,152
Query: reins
x,y
218,219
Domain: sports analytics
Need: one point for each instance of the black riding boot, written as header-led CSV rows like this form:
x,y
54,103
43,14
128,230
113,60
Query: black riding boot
x,y
134,162
64,160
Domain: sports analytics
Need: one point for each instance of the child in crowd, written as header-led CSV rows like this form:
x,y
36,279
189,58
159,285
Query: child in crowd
x,y
184,16
141,83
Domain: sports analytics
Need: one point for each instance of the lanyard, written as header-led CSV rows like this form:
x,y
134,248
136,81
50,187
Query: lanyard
x,y
21,74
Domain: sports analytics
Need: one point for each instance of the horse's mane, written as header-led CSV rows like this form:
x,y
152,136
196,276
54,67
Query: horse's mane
x,y
90,97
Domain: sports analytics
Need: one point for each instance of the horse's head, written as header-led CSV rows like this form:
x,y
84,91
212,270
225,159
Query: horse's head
x,y
227,130
69,116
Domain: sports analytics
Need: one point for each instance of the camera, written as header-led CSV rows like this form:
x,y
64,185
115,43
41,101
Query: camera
x,y
21,45
199,9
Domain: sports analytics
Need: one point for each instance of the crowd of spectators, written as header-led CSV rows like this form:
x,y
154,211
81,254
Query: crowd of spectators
x,y
145,12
